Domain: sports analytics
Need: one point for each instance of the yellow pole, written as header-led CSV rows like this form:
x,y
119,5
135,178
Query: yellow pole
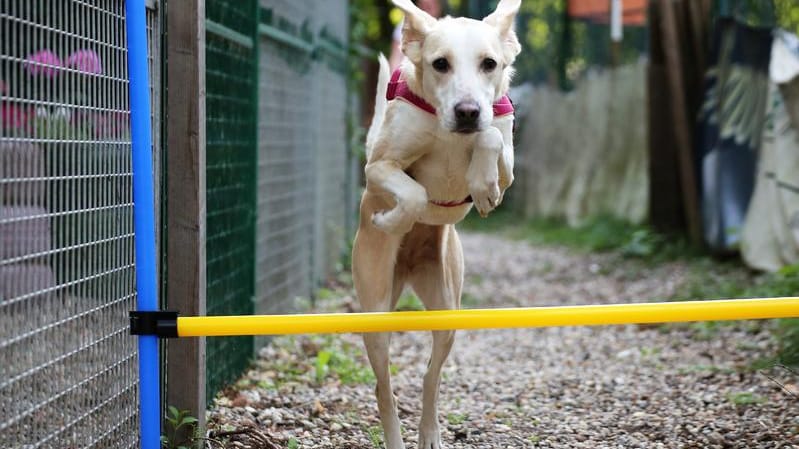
x,y
590,315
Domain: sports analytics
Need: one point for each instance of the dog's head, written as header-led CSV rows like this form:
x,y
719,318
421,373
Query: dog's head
x,y
461,66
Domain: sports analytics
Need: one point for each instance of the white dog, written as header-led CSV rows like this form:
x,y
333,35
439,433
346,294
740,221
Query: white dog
x,y
441,137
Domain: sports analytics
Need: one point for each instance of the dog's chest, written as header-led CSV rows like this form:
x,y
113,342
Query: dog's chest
x,y
442,172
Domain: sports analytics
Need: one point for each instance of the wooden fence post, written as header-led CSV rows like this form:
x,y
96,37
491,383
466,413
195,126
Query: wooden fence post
x,y
680,119
184,215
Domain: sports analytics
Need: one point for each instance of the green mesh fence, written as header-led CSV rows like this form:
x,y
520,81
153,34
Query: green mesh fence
x,y
231,102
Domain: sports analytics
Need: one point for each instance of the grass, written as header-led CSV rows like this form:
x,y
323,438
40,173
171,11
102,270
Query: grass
x,y
408,302
456,419
745,398
343,361
375,434
320,359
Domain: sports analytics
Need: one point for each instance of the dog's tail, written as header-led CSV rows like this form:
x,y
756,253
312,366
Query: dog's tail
x,y
380,104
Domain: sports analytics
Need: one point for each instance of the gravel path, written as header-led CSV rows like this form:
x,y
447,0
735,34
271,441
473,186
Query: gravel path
x,y
676,386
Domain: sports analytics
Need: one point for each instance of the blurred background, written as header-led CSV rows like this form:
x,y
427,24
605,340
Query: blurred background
x,y
660,122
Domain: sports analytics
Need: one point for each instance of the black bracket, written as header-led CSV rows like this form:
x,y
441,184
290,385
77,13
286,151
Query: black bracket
x,y
161,323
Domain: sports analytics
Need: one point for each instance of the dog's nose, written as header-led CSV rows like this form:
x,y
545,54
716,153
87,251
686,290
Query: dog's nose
x,y
467,111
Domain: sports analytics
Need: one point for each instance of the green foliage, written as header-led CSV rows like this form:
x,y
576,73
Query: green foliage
x,y
375,434
409,302
761,13
787,12
368,22
322,365
745,398
343,361
784,283
293,443
788,335
181,431
456,419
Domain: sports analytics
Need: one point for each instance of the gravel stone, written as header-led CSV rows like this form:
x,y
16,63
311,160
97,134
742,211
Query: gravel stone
x,y
671,386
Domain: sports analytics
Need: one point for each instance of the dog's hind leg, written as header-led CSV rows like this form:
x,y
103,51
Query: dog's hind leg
x,y
438,284
374,257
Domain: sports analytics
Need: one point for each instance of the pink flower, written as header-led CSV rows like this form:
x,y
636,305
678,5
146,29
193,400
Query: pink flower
x,y
14,117
108,125
85,61
45,62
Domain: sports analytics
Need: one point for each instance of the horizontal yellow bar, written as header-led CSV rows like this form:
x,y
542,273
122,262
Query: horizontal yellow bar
x,y
590,315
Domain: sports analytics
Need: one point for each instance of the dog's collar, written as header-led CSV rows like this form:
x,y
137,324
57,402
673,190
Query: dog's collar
x,y
398,88
467,200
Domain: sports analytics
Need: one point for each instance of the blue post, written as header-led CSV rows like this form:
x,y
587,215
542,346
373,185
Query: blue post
x,y
144,220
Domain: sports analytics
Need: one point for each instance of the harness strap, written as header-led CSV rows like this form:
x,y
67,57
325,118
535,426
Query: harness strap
x,y
398,88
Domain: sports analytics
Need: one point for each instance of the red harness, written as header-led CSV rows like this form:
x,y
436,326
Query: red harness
x,y
398,88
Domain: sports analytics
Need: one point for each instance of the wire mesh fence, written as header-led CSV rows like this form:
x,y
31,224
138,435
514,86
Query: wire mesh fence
x,y
67,365
286,165
230,176
288,174
332,149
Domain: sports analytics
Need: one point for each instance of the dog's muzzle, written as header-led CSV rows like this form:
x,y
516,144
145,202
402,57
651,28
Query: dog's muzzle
x,y
467,117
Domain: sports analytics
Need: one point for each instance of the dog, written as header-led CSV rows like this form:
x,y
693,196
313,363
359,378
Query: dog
x,y
436,148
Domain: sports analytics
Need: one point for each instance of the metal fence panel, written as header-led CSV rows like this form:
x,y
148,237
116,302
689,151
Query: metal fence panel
x,y
68,373
332,149
230,176
286,165
297,192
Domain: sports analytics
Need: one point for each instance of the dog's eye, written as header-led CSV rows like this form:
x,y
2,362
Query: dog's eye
x,y
488,64
441,65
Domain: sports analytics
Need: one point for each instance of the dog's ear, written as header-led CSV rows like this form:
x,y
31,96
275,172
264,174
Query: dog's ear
x,y
503,18
415,27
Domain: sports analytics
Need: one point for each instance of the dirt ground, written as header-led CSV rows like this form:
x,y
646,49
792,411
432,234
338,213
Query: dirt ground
x,y
704,385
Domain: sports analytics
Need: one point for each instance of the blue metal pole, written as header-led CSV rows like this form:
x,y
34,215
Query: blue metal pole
x,y
144,219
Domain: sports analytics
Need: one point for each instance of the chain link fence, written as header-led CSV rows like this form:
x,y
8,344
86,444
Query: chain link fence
x,y
68,374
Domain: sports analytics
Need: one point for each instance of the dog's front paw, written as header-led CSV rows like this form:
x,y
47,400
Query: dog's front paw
x,y
393,222
486,195
404,215
430,437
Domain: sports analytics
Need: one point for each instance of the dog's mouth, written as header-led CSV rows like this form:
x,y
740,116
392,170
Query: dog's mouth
x,y
466,129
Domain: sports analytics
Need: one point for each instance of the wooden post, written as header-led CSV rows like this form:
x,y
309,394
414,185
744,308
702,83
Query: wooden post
x,y
185,199
681,121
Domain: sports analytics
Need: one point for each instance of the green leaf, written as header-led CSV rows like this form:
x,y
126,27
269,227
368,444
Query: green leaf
x,y
293,444
322,361
189,420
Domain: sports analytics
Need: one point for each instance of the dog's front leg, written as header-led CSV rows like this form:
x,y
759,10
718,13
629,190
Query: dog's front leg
x,y
482,176
505,164
411,198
